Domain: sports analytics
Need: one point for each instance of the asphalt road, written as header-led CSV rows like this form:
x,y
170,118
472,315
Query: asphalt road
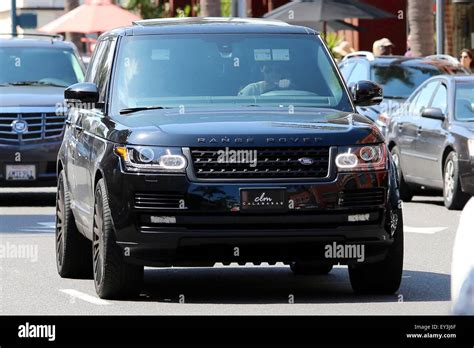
x,y
29,283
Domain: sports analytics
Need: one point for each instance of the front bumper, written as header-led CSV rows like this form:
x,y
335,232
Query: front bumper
x,y
204,223
42,155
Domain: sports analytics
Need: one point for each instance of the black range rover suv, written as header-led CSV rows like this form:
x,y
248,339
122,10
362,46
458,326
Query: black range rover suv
x,y
196,141
34,73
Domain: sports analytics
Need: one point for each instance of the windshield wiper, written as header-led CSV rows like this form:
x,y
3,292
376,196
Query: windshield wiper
x,y
394,97
34,83
141,108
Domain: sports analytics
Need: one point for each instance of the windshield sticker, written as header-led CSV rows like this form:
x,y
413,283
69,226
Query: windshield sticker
x,y
262,54
281,54
160,54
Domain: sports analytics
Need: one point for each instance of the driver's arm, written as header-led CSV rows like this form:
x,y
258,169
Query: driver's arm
x,y
252,89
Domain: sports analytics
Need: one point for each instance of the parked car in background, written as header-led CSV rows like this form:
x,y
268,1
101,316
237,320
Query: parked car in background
x,y
431,139
398,76
462,268
33,76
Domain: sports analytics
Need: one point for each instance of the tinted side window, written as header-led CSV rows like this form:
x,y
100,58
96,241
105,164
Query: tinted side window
x,y
95,61
104,70
100,66
424,98
441,99
359,73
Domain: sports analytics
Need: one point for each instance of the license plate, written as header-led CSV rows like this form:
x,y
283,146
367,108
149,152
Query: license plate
x,y
263,200
21,172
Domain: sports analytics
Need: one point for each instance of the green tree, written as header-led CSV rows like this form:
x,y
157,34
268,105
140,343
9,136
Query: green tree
x,y
149,8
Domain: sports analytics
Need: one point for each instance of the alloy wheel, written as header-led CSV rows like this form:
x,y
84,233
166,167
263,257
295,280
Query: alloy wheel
x,y
97,246
449,180
60,227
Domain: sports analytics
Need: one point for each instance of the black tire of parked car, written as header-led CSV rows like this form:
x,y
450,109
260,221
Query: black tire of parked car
x,y
113,277
73,250
406,193
382,277
456,199
310,268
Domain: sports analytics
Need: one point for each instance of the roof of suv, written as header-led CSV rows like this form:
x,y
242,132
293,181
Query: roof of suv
x,y
441,64
20,42
210,25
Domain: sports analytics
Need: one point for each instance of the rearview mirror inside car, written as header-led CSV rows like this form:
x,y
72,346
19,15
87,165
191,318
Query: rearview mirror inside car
x,y
366,93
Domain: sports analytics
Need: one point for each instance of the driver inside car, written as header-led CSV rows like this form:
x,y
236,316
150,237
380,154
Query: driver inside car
x,y
274,78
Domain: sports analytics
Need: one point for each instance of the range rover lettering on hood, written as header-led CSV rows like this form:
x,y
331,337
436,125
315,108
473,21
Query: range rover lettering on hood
x,y
278,140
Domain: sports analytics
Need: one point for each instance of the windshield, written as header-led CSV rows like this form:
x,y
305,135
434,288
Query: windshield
x,y
463,109
401,81
231,69
35,65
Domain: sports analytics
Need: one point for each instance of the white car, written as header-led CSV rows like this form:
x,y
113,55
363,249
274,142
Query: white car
x,y
462,272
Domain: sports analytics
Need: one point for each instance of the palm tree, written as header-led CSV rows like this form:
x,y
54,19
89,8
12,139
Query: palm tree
x,y
210,8
70,5
421,22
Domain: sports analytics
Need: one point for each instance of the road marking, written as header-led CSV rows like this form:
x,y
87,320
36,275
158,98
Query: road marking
x,y
85,297
44,227
424,230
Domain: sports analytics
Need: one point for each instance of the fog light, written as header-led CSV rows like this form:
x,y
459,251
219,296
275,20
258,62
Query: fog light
x,y
173,162
346,161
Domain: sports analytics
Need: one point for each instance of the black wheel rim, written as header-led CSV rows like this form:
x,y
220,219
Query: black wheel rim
x,y
60,209
97,248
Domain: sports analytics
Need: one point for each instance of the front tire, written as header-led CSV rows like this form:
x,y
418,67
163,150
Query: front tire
x,y
454,198
73,250
383,277
406,193
113,277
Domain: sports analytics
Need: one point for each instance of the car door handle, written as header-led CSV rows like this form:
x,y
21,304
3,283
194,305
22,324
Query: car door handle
x,y
419,130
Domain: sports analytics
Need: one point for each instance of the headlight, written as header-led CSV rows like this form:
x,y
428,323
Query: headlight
x,y
152,159
470,146
361,158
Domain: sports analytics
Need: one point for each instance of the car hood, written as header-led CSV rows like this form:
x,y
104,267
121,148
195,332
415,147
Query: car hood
x,y
244,127
18,96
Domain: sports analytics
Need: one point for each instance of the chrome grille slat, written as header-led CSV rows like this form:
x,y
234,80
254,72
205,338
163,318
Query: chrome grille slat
x,y
271,163
157,201
41,125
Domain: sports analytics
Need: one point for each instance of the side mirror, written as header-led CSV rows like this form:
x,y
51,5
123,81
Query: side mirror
x,y
366,93
86,93
433,113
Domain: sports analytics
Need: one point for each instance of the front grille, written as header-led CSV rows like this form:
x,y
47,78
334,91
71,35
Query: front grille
x,y
157,201
271,163
362,198
41,126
